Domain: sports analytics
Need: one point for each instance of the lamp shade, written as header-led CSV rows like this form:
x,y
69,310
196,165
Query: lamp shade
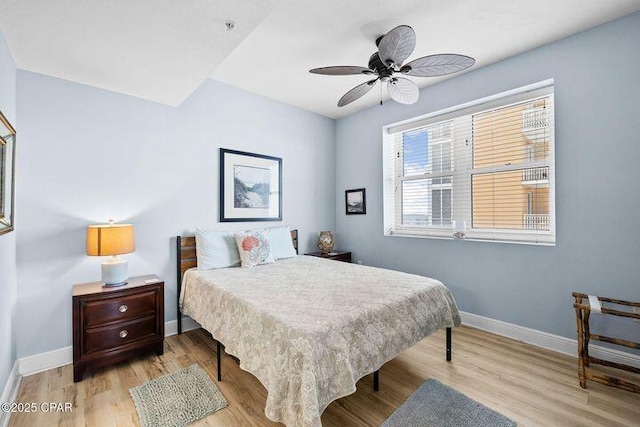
x,y
110,239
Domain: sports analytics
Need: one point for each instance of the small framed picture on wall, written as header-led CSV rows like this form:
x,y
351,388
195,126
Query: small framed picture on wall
x,y
355,202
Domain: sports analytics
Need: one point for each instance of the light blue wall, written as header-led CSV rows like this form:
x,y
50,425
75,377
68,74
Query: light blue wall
x,y
88,155
597,102
8,283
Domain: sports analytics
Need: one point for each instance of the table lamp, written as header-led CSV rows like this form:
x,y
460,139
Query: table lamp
x,y
111,240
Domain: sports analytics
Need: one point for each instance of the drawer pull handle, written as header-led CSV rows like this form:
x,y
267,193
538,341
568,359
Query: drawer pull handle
x,y
123,334
123,308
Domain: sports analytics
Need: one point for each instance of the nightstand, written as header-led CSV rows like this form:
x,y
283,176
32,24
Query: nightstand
x,y
337,255
114,324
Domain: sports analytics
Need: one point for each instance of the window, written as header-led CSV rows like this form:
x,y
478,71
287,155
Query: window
x,y
484,170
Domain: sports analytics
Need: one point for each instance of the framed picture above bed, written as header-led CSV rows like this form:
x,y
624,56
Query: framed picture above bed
x,y
355,202
250,187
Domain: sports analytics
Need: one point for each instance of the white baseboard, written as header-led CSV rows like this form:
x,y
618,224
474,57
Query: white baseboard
x,y
44,361
10,393
188,324
64,356
546,340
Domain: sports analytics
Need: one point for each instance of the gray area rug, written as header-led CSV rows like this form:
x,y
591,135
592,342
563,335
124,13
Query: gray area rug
x,y
434,404
177,399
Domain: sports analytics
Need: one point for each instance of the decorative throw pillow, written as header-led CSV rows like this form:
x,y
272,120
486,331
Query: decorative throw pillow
x,y
253,247
281,243
216,249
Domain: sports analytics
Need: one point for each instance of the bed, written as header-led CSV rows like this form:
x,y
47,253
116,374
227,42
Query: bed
x,y
309,328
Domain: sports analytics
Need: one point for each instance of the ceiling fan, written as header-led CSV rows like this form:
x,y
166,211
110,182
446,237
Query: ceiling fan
x,y
393,48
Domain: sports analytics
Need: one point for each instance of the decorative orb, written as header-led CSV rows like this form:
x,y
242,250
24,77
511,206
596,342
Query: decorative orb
x,y
325,242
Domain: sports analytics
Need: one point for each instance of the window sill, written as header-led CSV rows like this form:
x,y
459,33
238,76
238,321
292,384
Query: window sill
x,y
540,239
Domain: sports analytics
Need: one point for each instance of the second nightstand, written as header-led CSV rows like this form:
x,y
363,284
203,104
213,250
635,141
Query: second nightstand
x,y
337,255
115,324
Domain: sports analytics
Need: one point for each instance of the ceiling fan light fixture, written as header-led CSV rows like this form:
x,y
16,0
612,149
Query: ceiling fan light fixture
x,y
403,90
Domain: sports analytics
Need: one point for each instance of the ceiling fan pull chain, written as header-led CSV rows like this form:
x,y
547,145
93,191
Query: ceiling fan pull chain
x,y
381,95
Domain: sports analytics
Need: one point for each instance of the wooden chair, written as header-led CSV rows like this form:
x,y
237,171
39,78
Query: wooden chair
x,y
583,311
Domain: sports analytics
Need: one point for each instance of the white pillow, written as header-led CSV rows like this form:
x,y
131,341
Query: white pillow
x,y
216,249
254,248
281,243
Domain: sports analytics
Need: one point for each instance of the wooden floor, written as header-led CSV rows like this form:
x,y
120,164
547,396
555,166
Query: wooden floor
x,y
534,387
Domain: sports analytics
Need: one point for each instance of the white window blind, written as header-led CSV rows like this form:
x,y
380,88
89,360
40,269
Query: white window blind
x,y
482,171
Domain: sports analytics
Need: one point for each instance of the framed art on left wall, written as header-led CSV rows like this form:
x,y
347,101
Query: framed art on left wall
x,y
250,187
7,174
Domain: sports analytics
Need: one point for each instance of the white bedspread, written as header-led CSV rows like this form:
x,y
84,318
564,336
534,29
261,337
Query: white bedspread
x,y
309,328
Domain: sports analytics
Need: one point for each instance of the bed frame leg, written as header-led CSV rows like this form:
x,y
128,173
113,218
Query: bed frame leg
x,y
448,344
219,351
179,281
376,380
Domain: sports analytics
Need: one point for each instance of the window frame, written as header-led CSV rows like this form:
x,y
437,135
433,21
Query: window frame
x,y
393,171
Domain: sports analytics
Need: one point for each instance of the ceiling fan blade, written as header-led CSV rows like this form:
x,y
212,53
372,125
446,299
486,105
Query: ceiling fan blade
x,y
356,92
403,90
437,65
397,45
341,70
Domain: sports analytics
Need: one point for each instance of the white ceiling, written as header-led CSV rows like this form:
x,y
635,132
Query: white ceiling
x,y
162,50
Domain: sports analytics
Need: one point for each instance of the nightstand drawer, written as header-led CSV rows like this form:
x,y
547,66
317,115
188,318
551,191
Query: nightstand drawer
x,y
111,337
118,309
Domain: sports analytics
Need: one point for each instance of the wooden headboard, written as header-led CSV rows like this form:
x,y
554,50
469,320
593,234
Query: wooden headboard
x,y
186,259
